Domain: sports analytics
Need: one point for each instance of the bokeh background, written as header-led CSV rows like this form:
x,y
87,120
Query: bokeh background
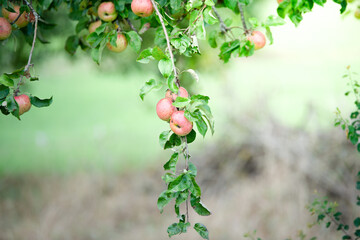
x,y
90,166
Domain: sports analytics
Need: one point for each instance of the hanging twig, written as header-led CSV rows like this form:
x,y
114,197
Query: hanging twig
x,y
241,9
27,66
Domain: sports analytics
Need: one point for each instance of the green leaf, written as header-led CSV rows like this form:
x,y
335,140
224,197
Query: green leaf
x,y
181,102
201,126
150,85
191,136
357,222
96,53
72,43
177,228
6,80
232,4
171,164
163,200
273,21
202,230
165,67
171,83
37,102
158,54
174,140
12,106
198,206
192,169
182,197
212,39
227,49
82,24
195,189
181,183
4,92
209,17
175,5
134,40
163,138
145,56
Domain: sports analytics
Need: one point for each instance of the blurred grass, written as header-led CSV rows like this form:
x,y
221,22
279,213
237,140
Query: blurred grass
x,y
98,122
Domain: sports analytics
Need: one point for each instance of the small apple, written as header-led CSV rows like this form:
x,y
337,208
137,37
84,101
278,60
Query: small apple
x,y
165,109
24,18
142,8
357,13
121,44
94,25
24,103
182,93
179,124
258,39
107,11
280,1
5,29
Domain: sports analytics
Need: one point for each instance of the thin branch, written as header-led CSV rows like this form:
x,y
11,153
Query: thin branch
x,y
167,41
186,155
27,66
223,27
241,9
338,224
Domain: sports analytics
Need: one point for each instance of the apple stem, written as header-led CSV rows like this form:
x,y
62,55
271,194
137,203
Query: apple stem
x,y
27,66
177,82
241,9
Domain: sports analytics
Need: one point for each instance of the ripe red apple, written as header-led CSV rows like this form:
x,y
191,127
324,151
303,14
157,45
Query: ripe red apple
x,y
107,11
182,93
280,1
165,109
121,44
357,13
24,103
23,20
142,8
258,39
5,29
179,124
94,25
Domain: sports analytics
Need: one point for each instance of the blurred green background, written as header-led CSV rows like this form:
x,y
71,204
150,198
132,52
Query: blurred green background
x,y
99,135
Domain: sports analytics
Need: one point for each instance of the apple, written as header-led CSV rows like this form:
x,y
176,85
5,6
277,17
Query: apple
x,y
357,13
165,109
179,124
182,93
24,103
23,20
280,1
94,25
142,8
107,11
5,29
258,39
121,44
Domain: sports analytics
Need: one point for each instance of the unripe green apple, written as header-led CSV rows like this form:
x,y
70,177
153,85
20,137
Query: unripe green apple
x,y
357,13
142,8
23,20
94,25
182,93
179,124
5,29
24,103
121,44
107,12
258,39
165,109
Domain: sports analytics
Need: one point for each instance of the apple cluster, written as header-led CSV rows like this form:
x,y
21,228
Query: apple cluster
x,y
107,13
165,110
9,17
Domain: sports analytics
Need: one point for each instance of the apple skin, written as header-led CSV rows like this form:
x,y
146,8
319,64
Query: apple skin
x,y
258,38
165,109
5,29
94,25
23,20
107,12
24,103
121,44
179,124
182,93
142,8
357,14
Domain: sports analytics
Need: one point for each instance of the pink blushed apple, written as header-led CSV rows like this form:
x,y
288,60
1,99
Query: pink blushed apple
x,y
182,93
258,39
179,124
107,12
142,8
23,20
24,103
5,29
94,25
121,44
165,109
